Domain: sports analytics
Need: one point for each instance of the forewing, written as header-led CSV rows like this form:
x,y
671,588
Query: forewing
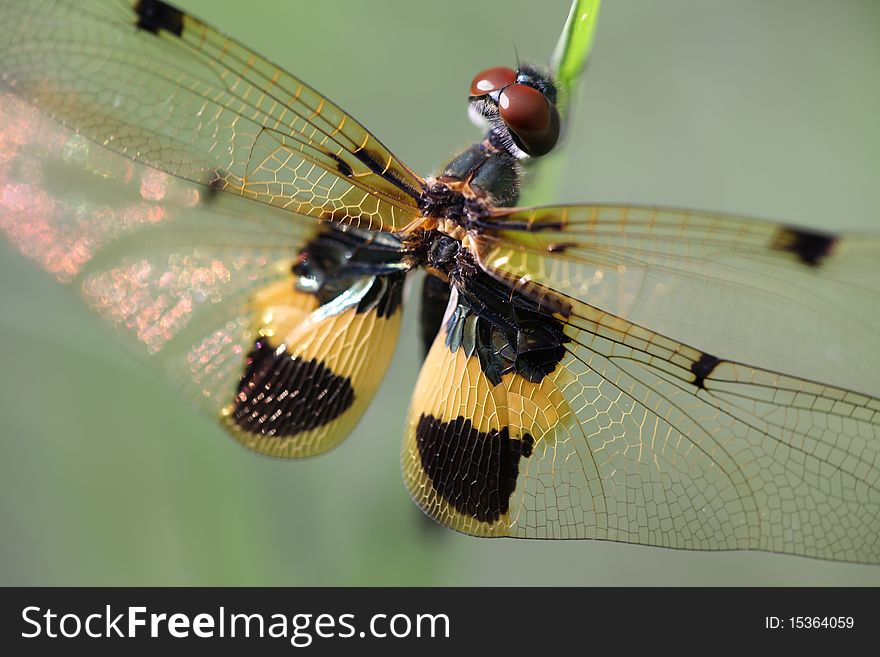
x,y
163,89
196,284
785,299
638,438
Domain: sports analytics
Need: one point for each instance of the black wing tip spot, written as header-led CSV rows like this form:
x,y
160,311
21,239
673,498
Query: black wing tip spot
x,y
473,471
809,246
702,368
155,15
281,395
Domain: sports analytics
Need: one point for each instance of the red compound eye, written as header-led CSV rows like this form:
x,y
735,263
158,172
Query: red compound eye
x,y
532,119
492,79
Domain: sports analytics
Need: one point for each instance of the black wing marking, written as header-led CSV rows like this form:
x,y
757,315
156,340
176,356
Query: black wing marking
x,y
181,97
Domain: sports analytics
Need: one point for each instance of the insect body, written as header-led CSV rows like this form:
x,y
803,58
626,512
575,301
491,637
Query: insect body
x,y
663,377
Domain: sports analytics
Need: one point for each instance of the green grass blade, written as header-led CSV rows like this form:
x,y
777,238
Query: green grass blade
x,y
569,58
575,43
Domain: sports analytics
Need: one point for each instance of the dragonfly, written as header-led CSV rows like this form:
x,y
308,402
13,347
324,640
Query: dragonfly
x,y
663,377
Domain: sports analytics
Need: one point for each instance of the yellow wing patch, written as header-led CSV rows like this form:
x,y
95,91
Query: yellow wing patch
x,y
313,369
469,444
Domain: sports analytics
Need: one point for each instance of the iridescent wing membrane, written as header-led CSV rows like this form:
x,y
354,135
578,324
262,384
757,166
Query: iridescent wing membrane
x,y
633,435
180,97
159,231
652,376
749,290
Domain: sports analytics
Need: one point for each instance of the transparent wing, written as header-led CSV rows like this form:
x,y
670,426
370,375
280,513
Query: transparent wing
x,y
784,299
163,89
199,285
638,438
171,268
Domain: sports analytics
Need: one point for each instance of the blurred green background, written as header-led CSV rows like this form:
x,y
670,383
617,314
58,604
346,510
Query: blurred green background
x,y
767,109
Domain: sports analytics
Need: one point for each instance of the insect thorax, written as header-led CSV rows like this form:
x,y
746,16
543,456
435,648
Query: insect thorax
x,y
476,178
460,199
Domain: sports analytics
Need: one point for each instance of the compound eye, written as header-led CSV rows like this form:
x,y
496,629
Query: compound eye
x,y
492,79
531,118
